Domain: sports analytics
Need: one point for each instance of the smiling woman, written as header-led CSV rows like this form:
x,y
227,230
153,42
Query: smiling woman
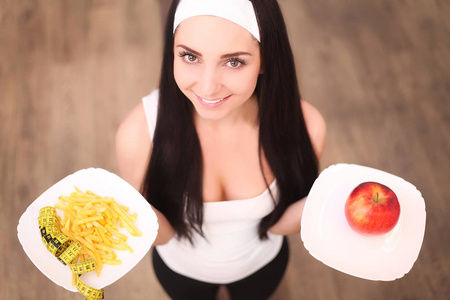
x,y
233,150
377,69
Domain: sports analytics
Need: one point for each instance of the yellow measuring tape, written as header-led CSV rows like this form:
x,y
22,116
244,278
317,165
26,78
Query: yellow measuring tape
x,y
66,250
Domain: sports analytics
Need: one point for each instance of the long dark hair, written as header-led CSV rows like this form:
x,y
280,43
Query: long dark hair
x,y
173,182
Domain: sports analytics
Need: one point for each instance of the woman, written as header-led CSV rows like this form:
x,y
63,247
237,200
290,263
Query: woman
x,y
225,151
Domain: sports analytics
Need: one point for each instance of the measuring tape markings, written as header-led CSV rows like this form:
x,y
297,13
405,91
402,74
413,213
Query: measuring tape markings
x,y
66,250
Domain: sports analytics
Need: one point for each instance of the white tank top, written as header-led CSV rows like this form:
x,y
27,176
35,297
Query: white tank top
x,y
231,249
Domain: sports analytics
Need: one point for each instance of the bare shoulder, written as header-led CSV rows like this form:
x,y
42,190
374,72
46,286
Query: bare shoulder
x,y
133,146
316,126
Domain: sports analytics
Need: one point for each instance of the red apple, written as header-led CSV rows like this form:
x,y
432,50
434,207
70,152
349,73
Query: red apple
x,y
372,208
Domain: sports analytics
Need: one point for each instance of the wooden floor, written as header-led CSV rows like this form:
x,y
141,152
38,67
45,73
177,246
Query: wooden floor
x,y
378,70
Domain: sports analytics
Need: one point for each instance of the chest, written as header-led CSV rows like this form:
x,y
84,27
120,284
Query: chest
x,y
232,168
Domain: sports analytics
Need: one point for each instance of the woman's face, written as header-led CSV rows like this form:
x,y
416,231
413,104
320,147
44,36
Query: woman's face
x,y
216,65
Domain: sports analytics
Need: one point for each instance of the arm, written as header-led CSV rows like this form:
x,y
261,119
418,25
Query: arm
x,y
289,222
133,147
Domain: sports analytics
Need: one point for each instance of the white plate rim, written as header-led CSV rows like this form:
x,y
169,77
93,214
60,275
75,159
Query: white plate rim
x,y
393,254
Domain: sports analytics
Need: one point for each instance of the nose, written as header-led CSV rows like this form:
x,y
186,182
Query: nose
x,y
209,81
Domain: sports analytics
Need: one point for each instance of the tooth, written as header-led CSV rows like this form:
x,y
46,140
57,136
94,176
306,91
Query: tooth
x,y
212,101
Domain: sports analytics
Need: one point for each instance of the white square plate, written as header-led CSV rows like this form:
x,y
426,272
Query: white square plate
x,y
328,237
103,183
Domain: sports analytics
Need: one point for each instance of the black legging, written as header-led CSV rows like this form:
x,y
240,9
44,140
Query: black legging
x,y
258,286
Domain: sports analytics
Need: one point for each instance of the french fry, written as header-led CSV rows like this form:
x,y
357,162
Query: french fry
x,y
94,222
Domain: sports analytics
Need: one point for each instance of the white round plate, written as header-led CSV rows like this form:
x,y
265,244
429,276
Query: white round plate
x,y
328,237
103,183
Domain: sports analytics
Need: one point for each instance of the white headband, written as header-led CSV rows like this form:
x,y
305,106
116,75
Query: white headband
x,y
240,12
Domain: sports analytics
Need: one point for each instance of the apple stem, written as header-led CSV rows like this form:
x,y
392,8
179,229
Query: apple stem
x,y
376,197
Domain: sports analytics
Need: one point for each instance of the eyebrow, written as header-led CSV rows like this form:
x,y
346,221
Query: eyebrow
x,y
228,55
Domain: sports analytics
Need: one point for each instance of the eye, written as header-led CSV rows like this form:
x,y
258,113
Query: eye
x,y
235,63
188,57
191,58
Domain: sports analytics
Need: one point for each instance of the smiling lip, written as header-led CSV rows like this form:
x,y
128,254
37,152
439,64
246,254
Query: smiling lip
x,y
211,103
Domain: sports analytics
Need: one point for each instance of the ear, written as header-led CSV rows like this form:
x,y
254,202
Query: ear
x,y
261,64
261,69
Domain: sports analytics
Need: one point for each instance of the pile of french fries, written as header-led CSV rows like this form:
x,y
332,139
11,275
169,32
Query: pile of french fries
x,y
94,222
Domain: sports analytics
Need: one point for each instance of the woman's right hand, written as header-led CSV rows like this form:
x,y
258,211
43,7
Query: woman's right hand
x,y
165,230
